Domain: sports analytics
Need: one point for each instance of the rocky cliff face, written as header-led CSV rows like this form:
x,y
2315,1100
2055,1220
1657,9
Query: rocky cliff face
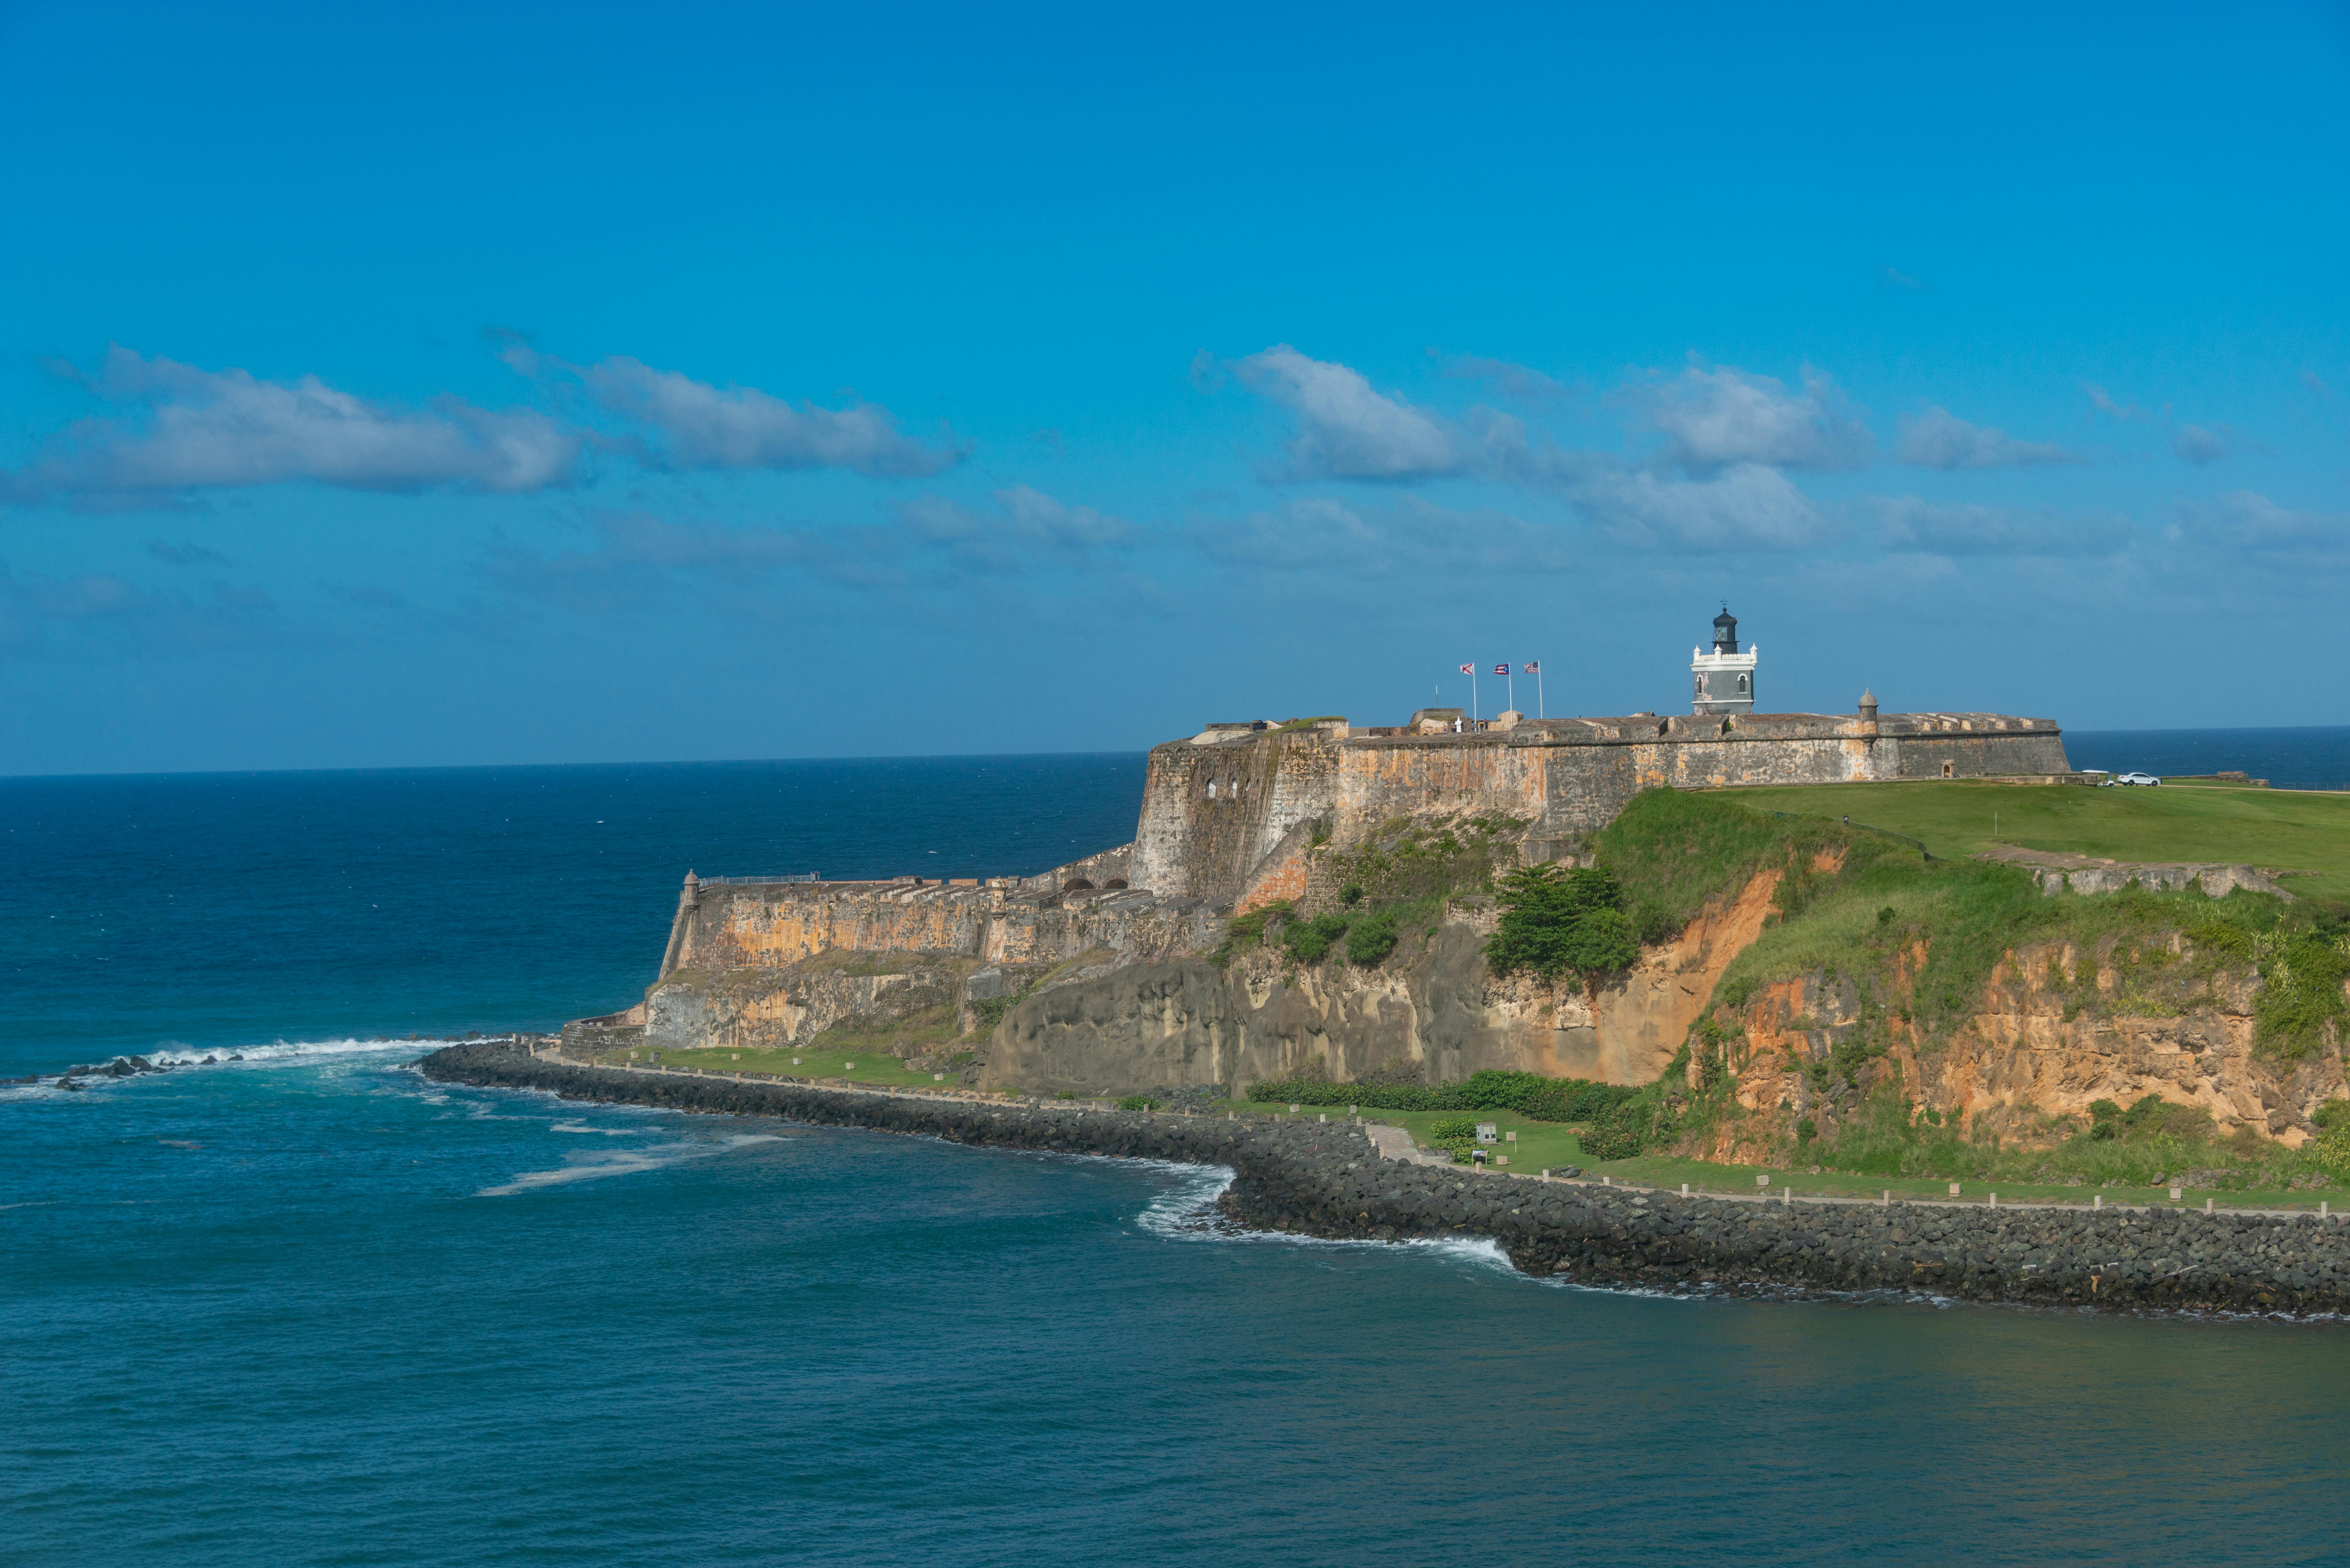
x,y
2054,1029
1439,1015
767,1008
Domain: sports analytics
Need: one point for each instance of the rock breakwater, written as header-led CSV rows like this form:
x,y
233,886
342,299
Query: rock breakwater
x,y
1326,1180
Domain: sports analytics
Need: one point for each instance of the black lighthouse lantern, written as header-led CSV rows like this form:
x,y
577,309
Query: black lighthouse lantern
x,y
1725,631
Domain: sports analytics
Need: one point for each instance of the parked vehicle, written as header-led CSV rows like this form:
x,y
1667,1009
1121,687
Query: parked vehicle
x,y
2137,779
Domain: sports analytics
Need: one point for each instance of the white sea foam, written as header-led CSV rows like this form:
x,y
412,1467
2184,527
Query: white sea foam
x,y
594,1164
607,1132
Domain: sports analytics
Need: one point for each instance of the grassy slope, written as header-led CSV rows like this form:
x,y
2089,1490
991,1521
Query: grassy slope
x,y
1883,901
2294,829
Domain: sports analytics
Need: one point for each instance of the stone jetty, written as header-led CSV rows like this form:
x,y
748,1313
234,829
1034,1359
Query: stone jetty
x,y
1328,1179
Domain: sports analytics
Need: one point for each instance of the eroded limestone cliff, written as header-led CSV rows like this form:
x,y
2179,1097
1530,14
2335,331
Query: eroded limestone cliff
x,y
1439,1015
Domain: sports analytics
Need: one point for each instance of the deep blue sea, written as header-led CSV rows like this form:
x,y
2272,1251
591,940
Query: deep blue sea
x,y
307,1308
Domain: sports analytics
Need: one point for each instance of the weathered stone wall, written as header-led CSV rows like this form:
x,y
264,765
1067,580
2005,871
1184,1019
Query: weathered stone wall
x,y
775,925
1211,809
1218,808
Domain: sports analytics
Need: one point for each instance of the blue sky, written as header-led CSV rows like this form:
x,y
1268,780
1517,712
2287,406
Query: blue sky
x,y
416,385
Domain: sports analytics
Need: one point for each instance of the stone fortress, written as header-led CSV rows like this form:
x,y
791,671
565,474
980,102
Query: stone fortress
x,y
1230,821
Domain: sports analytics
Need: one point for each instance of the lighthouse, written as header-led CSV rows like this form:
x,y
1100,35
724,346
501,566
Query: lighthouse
x,y
1723,680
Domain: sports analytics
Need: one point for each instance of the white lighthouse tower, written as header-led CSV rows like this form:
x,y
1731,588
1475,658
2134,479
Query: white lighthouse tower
x,y
1724,679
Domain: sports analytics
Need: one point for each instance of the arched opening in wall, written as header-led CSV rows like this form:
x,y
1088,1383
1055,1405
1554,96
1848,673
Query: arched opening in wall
x,y
1949,770
1212,789
1075,885
1725,726
1114,882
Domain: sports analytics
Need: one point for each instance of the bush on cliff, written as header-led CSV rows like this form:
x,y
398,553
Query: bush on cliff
x,y
1309,942
1529,1094
1557,921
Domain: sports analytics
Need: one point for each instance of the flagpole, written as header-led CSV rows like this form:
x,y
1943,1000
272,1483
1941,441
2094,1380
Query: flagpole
x,y
1511,670
1475,710
1541,710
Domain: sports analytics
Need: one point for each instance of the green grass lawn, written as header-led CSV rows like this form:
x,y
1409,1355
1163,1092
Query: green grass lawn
x,y
2294,829
1545,1144
1538,1144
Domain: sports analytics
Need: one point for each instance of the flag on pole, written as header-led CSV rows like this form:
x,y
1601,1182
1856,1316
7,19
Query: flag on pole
x,y
1531,666
1501,670
1468,669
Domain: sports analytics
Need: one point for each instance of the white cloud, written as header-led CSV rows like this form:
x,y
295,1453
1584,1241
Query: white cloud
x,y
1908,523
191,430
1937,437
1746,506
2195,444
1715,418
1346,430
703,426
1410,539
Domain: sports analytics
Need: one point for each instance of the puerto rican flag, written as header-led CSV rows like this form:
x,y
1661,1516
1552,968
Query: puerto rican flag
x,y
1501,670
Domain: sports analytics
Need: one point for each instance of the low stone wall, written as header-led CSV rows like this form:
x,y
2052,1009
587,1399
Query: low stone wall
x,y
1326,1180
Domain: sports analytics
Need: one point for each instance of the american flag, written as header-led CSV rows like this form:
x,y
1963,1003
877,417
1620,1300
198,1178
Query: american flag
x,y
1531,666
1501,670
1468,669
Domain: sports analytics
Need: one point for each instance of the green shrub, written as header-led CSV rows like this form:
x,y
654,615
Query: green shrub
x,y
2332,1113
1372,937
1351,894
1308,941
1245,931
1138,1102
1553,922
1446,1128
1529,1094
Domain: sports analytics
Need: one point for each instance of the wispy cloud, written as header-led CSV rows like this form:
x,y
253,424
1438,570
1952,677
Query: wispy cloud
x,y
1908,523
635,561
1745,507
1516,380
1022,527
182,430
1409,539
98,615
1937,437
2199,445
698,425
1711,418
184,553
2245,522
2104,402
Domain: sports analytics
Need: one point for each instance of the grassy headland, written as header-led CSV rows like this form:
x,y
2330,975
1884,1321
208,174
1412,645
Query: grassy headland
x,y
2295,830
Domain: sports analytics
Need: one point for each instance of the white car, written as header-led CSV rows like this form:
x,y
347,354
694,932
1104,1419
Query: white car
x,y
2136,779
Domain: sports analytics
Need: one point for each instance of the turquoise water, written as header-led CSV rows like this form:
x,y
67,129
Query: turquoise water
x,y
309,1308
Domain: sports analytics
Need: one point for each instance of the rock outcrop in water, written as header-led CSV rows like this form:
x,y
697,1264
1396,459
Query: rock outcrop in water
x,y
1326,1180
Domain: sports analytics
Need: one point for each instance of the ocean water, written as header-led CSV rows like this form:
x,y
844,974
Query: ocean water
x,y
305,1307
2311,757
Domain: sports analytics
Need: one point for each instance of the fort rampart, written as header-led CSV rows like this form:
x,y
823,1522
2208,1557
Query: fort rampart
x,y
1227,814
